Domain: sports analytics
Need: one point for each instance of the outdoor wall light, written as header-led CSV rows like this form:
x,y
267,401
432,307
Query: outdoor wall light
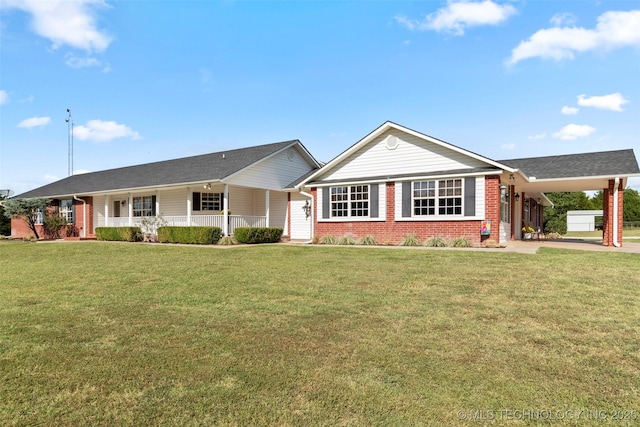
x,y
207,186
517,196
307,209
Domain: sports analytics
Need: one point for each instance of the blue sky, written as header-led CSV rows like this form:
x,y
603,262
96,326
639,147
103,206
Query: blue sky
x,y
154,80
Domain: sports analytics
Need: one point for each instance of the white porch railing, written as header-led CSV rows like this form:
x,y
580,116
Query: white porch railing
x,y
235,221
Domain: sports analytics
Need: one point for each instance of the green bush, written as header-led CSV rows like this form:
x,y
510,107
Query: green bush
x,y
257,234
123,234
190,235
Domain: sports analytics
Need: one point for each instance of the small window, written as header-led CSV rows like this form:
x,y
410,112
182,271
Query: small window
x,y
66,210
211,201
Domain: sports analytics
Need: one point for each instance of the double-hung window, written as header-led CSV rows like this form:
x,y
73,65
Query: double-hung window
x,y
211,201
438,197
350,201
143,206
66,210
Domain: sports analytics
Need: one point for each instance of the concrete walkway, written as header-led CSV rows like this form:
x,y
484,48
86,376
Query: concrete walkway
x,y
531,247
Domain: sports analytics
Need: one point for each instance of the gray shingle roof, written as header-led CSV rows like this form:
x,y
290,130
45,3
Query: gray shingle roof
x,y
206,167
605,163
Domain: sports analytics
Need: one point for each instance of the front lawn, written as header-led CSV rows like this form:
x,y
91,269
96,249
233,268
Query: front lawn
x,y
97,333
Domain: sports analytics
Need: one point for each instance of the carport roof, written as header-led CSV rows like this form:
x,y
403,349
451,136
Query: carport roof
x,y
601,164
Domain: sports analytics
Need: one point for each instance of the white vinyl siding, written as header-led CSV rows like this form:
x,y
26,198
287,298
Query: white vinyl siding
x,y
412,155
275,172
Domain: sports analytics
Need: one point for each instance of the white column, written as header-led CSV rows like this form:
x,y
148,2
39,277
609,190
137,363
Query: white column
x,y
130,209
107,200
189,205
157,202
266,206
225,216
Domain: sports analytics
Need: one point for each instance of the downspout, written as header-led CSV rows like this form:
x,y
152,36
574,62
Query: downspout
x,y
310,196
84,215
616,184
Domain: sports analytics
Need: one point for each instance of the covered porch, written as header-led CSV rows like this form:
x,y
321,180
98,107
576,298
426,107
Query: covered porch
x,y
215,205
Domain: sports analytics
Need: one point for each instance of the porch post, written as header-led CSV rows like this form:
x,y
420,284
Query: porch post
x,y
130,209
225,214
266,206
107,200
189,205
157,207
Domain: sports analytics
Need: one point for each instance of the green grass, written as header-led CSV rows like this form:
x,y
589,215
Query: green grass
x,y
100,333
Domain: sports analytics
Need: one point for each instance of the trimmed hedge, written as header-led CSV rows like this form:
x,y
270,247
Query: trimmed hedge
x,y
190,235
122,234
257,234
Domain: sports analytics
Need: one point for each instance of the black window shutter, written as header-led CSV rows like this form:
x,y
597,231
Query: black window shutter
x,y
406,199
195,205
55,203
153,205
373,200
470,196
325,202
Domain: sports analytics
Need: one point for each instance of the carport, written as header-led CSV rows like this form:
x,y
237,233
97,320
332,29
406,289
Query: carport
x,y
607,171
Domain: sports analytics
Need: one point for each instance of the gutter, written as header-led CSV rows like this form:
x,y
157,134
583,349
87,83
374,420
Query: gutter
x,y
310,196
84,215
615,212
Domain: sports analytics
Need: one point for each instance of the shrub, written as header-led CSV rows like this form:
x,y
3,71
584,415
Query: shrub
x,y
410,240
347,239
190,235
123,234
227,241
53,224
460,242
328,240
436,242
257,234
368,240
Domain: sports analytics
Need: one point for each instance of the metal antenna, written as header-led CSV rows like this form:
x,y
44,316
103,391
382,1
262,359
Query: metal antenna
x,y
69,121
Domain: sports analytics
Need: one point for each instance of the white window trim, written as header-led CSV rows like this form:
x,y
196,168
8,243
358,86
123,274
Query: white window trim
x,y
382,203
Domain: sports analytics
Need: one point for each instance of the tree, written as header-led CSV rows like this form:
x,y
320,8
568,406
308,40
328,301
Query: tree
x,y
631,206
5,223
27,210
555,217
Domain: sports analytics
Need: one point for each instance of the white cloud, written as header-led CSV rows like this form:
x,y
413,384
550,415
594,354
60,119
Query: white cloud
x,y
508,147
65,22
28,100
460,15
560,19
104,131
614,30
538,136
570,110
4,97
50,178
571,132
34,122
613,102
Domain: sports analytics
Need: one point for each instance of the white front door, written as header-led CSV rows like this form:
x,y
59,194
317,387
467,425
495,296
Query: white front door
x,y
300,222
